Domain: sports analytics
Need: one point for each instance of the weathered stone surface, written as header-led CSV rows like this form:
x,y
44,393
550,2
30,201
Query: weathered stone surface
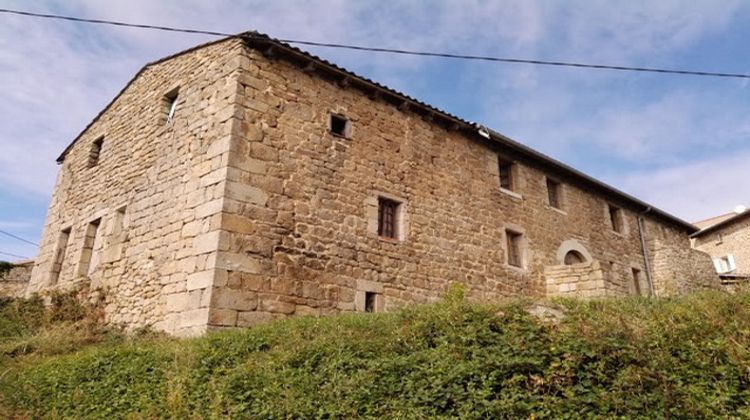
x,y
245,207
13,283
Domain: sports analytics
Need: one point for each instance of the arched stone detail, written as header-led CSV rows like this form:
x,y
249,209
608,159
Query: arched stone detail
x,y
572,245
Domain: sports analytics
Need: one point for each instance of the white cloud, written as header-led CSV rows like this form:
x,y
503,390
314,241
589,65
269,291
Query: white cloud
x,y
697,190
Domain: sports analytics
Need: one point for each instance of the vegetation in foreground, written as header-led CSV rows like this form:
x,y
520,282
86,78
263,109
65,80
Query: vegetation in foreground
x,y
685,357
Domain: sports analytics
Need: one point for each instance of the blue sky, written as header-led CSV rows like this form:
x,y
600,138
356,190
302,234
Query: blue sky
x,y
678,142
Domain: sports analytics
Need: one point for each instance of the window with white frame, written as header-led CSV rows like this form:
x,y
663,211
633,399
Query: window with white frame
x,y
725,264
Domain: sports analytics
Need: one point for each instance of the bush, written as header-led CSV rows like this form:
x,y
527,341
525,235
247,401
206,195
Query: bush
x,y
685,357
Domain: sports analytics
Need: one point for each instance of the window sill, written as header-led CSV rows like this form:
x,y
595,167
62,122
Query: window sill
x,y
341,136
619,234
515,268
563,212
513,194
386,239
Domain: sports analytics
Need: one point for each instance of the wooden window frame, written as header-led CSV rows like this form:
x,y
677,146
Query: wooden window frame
x,y
505,169
554,193
388,219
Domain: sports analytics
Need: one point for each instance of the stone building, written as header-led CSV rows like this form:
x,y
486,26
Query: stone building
x,y
245,180
726,238
14,278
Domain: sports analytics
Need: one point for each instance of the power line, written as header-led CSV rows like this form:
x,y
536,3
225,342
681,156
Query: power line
x,y
17,237
396,51
13,255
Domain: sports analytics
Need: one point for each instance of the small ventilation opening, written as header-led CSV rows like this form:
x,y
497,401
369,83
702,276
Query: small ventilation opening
x,y
170,104
95,152
370,301
339,125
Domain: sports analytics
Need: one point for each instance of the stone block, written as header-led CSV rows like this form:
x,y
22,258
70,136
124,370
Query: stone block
x,y
200,280
275,306
237,299
251,319
206,242
222,317
246,193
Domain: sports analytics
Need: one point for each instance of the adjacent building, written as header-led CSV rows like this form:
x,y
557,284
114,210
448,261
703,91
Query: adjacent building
x,y
245,180
726,238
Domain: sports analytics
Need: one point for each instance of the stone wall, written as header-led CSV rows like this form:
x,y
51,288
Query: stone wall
x,y
246,207
579,280
681,270
733,239
155,194
297,233
13,282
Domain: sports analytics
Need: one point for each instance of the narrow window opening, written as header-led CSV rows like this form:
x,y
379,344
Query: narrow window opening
x,y
388,218
615,218
89,254
505,169
514,248
637,281
553,193
170,104
95,152
574,257
57,262
370,301
339,125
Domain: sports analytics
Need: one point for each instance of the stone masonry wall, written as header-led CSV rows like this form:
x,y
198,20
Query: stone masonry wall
x,y
578,280
157,192
733,239
681,270
246,208
13,282
297,223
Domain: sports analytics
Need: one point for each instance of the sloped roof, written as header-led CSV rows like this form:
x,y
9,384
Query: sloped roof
x,y
274,48
721,222
703,224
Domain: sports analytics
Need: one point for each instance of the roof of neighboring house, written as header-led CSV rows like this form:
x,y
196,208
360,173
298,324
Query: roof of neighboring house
x,y
721,222
702,224
311,63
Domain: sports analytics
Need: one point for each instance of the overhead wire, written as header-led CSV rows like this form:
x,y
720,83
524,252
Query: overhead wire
x,y
18,238
13,255
394,50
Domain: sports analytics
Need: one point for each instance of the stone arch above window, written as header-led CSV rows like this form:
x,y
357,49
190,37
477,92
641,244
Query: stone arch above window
x,y
572,252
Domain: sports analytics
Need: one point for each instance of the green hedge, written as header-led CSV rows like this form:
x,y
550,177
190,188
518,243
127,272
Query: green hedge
x,y
685,357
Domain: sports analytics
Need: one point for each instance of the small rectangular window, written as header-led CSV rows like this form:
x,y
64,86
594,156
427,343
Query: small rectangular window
x,y
95,151
615,218
339,125
370,301
505,169
388,218
514,249
553,193
57,262
637,281
170,104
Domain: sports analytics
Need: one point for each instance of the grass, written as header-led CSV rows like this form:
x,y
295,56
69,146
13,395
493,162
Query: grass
x,y
686,357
